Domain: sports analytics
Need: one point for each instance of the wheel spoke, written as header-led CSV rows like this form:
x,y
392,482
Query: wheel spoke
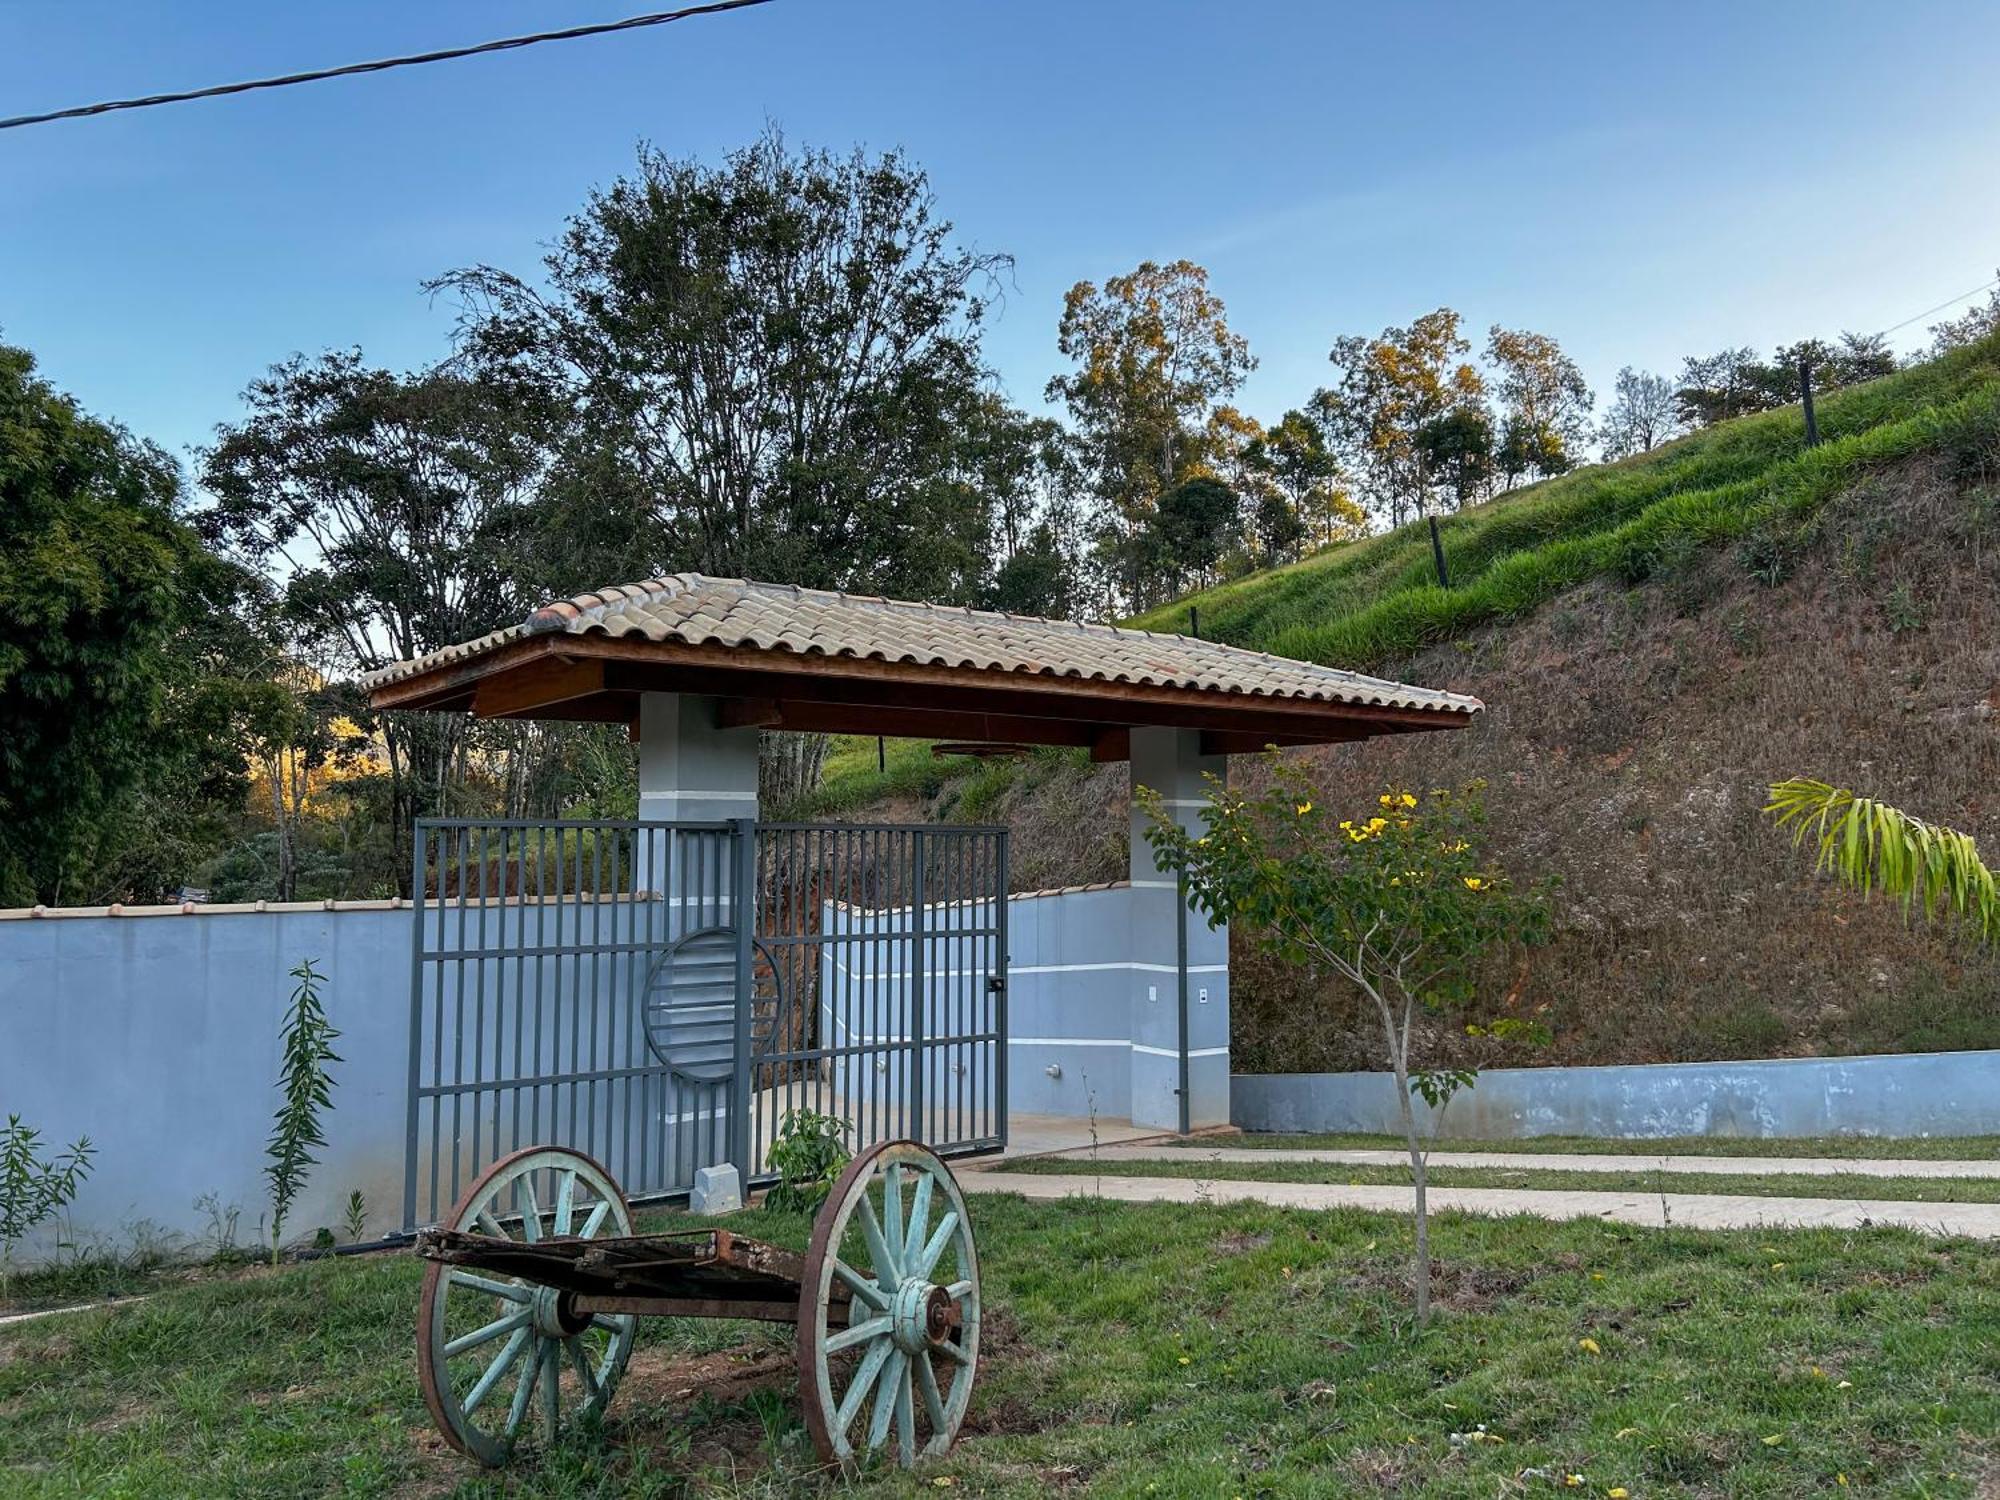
x,y
906,1420
579,1358
864,1381
486,1335
859,1333
524,1392
565,1201
933,1398
611,1323
958,1290
892,1217
885,1396
953,1351
486,1224
552,1388
878,1251
595,1219
531,1216
935,1247
512,1291
862,1286
502,1362
920,1214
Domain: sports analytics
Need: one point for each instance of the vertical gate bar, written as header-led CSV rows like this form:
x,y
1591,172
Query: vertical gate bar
x,y
520,883
596,987
618,1116
919,928
442,864
479,1099
416,1024
458,1018
744,912
575,904
541,964
1002,966
1181,993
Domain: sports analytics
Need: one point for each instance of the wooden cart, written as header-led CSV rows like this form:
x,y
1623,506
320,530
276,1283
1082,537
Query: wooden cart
x,y
536,1284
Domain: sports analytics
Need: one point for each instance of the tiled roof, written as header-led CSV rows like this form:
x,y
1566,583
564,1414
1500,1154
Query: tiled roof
x,y
695,610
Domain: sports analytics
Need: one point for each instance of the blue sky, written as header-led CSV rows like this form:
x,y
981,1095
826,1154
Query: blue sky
x,y
1640,181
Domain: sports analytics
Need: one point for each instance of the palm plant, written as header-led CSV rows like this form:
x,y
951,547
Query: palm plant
x,y
1871,846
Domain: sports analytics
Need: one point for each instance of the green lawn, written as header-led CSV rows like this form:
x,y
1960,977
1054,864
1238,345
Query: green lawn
x,y
1819,1147
1639,1179
1156,1350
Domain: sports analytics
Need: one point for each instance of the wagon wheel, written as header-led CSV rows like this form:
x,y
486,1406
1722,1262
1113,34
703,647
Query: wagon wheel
x,y
474,1330
894,1245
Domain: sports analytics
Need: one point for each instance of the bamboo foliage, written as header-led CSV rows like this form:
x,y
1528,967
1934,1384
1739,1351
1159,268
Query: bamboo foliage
x,y
1870,846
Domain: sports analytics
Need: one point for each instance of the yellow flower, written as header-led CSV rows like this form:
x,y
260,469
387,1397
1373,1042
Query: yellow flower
x,y
1386,799
1378,824
1304,808
1625,1432
1474,883
1589,1346
1185,1360
1407,800
1619,1492
1573,1481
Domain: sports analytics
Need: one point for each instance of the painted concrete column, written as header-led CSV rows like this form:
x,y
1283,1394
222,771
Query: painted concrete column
x,y
1171,763
691,771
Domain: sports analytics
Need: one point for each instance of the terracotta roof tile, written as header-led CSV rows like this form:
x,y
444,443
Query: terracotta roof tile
x,y
696,610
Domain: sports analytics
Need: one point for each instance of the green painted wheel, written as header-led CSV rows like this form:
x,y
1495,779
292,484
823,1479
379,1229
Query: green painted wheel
x,y
493,1349
889,1310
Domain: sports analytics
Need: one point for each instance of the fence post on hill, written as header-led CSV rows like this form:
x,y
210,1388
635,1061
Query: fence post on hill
x,y
1437,554
1805,396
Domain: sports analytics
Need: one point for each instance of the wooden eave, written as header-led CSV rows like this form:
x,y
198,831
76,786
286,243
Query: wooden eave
x,y
596,678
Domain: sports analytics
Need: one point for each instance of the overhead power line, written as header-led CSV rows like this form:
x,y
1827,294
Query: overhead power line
x,y
504,44
1948,302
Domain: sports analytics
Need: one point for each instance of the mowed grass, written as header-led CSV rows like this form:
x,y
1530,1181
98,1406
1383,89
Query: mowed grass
x,y
1141,1350
1640,1179
1817,1147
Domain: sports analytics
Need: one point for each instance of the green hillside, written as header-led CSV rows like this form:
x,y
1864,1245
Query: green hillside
x,y
1752,480
1375,603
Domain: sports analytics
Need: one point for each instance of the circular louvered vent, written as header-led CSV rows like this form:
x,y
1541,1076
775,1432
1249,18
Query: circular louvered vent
x,y
691,1005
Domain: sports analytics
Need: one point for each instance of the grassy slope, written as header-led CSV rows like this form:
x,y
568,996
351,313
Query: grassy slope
x,y
1377,600
1369,604
1142,1350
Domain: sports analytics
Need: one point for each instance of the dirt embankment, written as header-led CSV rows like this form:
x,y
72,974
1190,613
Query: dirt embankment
x,y
1629,737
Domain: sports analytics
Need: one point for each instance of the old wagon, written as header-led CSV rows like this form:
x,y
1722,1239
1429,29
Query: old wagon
x,y
536,1283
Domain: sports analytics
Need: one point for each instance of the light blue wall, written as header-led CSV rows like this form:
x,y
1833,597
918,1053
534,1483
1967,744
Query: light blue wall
x,y
157,1036
1936,1093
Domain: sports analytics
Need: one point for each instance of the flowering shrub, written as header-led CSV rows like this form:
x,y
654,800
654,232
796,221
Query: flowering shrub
x,y
1398,899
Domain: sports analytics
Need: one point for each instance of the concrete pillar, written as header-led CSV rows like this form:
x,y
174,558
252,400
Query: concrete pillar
x,y
1171,763
690,771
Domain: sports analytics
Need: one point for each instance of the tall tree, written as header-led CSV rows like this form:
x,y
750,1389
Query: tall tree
x,y
1154,357
775,355
1728,383
1386,391
397,508
1293,456
1544,404
1642,414
99,582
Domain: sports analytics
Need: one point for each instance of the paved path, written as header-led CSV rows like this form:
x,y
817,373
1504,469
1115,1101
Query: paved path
x,y
1683,1210
1746,1166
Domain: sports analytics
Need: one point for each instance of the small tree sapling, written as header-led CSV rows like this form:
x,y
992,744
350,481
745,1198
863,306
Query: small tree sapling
x,y
1399,901
307,1040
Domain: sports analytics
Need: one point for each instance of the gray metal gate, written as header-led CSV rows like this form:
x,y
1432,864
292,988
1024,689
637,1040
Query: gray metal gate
x,y
578,983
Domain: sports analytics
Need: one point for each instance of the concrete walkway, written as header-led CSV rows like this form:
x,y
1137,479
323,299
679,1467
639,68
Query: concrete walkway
x,y
1652,1210
1745,1166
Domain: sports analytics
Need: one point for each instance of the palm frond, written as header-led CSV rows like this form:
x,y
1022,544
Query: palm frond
x,y
1871,846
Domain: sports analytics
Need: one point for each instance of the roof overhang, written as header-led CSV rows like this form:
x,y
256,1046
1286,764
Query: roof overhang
x,y
599,678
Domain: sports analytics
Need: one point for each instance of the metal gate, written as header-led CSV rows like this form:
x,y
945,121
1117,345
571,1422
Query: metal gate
x,y
588,984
